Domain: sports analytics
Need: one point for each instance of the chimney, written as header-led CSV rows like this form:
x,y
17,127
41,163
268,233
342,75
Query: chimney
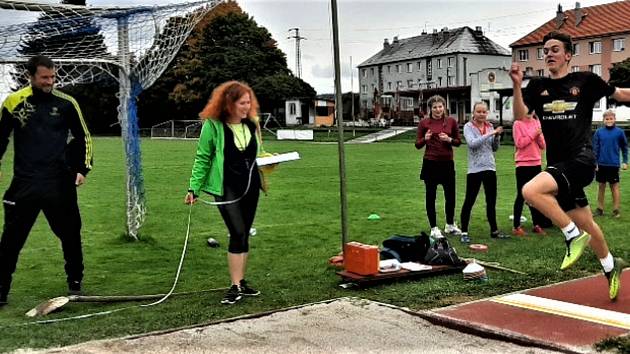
x,y
560,18
395,40
385,43
478,31
579,14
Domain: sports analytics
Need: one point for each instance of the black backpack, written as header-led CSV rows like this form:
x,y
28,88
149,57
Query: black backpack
x,y
406,248
441,253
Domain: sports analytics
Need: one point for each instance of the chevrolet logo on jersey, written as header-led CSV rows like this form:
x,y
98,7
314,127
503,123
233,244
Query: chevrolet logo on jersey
x,y
559,106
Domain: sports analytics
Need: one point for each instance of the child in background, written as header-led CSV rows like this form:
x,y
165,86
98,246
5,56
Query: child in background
x,y
528,144
607,142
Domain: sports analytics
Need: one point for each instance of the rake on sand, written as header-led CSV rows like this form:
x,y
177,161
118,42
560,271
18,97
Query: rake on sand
x,y
56,303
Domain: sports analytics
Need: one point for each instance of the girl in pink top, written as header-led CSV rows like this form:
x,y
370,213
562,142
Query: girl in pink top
x,y
528,143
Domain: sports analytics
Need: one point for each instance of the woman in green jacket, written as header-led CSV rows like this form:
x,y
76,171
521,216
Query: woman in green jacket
x,y
225,167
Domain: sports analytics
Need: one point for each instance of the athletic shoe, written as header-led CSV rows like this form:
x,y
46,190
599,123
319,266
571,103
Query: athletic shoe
x,y
246,290
614,278
498,234
575,247
232,296
74,288
436,233
519,231
598,212
452,229
464,238
538,230
616,213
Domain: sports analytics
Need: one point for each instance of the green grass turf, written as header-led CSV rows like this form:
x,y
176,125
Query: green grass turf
x,y
298,227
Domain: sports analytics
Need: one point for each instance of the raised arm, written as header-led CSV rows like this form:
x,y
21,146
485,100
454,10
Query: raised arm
x,y
622,94
519,109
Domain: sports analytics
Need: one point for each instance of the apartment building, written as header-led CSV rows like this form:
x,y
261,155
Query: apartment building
x,y
600,35
397,81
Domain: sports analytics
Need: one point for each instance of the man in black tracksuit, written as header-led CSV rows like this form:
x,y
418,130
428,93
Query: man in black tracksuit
x,y
48,167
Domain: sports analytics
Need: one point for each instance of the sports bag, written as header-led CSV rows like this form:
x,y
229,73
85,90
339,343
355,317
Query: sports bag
x,y
441,253
406,248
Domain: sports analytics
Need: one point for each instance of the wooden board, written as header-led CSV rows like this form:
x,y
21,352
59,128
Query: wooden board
x,y
401,274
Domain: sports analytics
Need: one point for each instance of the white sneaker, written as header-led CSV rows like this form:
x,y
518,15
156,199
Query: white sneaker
x,y
452,229
436,233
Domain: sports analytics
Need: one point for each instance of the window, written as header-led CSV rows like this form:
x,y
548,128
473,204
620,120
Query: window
x,y
292,108
389,86
596,69
450,81
439,63
576,49
529,71
364,88
523,55
450,62
419,65
618,44
595,47
371,71
410,83
541,72
439,81
389,69
409,67
429,70
419,83
406,104
540,53
398,69
575,69
364,72
399,84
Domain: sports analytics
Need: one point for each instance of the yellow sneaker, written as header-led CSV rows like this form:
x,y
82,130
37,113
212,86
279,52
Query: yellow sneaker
x,y
575,248
614,278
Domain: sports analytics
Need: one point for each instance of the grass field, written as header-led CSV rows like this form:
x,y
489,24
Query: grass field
x,y
298,227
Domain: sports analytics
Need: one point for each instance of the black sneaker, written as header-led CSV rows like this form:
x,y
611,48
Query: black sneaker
x,y
74,288
232,296
598,212
247,290
499,234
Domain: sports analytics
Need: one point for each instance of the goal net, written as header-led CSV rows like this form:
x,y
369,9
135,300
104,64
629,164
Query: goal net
x,y
131,45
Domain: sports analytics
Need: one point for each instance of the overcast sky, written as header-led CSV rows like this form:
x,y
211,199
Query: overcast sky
x,y
363,24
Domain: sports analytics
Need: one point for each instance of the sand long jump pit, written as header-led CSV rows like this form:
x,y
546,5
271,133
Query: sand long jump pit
x,y
346,325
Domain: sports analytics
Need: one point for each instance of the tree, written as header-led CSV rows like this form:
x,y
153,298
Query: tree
x,y
226,44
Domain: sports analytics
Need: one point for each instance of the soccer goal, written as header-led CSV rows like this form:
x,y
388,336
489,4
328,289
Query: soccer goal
x,y
177,129
131,45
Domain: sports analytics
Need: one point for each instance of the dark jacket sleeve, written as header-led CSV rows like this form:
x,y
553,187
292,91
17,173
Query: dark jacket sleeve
x,y
80,147
6,126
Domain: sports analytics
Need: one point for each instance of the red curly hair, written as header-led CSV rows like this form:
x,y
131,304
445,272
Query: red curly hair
x,y
223,99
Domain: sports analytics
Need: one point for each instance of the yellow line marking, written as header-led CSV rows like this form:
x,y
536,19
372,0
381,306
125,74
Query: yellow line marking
x,y
567,309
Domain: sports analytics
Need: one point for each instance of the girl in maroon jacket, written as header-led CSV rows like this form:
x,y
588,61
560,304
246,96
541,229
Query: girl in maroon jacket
x,y
439,134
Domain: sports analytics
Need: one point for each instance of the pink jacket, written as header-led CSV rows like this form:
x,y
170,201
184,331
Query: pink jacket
x,y
527,142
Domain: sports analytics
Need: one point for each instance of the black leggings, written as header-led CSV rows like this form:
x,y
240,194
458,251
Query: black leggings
x,y
525,174
239,216
449,198
473,185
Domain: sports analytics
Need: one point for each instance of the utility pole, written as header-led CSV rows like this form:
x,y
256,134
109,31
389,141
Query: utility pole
x,y
298,38
339,114
354,131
